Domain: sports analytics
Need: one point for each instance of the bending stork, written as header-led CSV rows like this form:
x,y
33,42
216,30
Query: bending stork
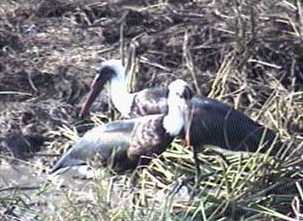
x,y
123,143
213,122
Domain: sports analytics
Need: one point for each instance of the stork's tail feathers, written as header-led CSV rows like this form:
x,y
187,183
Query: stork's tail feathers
x,y
67,161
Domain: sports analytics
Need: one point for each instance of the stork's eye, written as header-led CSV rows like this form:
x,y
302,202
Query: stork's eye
x,y
98,77
180,94
186,94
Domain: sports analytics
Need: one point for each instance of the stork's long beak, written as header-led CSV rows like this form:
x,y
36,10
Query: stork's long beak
x,y
95,90
187,125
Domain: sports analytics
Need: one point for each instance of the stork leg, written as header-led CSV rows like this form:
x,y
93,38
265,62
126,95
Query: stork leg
x,y
195,179
197,164
198,172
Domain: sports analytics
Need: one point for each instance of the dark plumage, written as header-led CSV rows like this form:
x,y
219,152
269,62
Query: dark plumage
x,y
123,143
217,124
214,123
149,101
116,144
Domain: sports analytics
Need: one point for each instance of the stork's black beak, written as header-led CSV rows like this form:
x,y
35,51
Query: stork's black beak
x,y
188,116
95,90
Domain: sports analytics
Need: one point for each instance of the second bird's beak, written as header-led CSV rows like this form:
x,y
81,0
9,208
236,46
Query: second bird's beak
x,y
188,116
95,90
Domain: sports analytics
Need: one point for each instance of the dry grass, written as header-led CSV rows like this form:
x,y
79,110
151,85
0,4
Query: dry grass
x,y
245,53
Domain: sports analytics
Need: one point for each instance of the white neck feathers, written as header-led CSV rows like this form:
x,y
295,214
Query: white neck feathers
x,y
120,96
174,121
178,95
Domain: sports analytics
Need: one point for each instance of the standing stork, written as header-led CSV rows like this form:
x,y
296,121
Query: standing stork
x,y
123,143
213,122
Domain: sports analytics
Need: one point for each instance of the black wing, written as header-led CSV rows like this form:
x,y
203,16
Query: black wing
x,y
215,123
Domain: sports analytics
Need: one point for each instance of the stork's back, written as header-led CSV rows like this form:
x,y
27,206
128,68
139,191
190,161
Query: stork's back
x,y
215,123
108,142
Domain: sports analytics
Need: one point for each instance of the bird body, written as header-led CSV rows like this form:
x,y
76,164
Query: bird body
x,y
122,144
149,101
214,123
115,144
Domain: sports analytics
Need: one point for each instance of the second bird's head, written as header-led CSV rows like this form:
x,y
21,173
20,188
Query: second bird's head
x,y
180,95
180,105
105,72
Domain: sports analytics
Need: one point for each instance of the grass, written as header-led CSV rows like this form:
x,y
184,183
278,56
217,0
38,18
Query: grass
x,y
233,186
237,186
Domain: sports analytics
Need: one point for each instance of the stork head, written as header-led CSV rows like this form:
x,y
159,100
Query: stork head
x,y
105,72
180,90
179,107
